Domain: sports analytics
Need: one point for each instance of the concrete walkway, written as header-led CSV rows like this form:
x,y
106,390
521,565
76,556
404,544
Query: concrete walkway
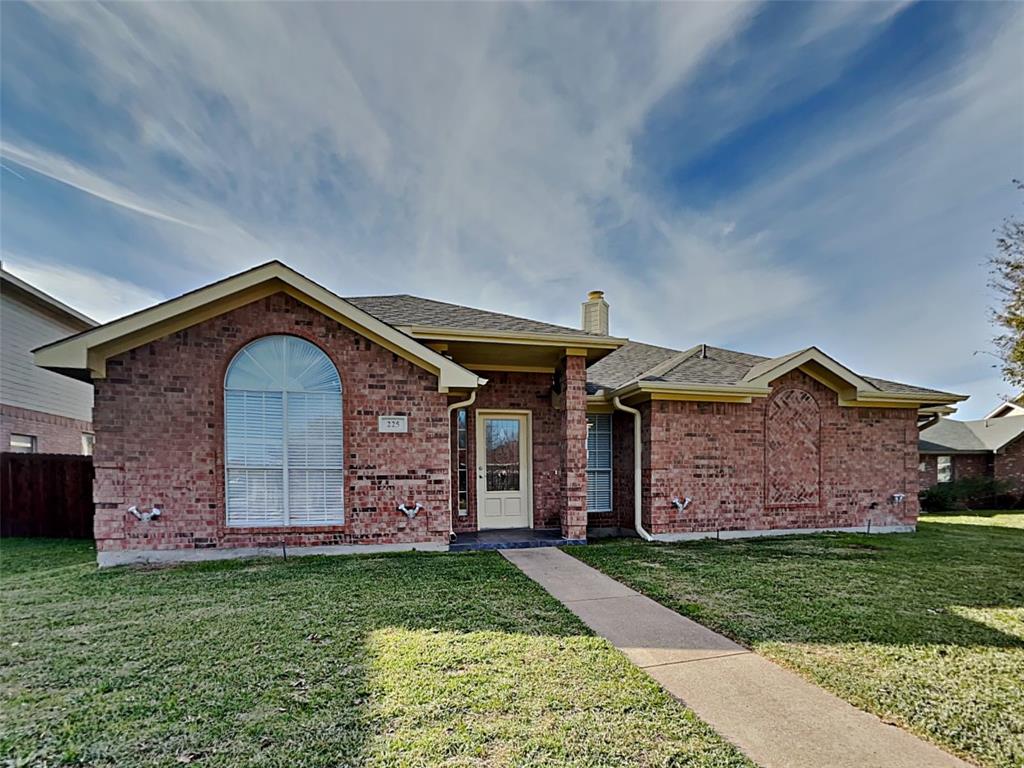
x,y
774,716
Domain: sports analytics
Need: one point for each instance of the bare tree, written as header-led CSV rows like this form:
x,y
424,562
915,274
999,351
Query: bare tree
x,y
1007,278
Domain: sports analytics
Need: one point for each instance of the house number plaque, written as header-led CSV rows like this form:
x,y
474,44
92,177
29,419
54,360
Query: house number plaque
x,y
392,423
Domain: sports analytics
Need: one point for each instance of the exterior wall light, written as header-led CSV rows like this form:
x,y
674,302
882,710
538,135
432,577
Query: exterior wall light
x,y
410,512
153,514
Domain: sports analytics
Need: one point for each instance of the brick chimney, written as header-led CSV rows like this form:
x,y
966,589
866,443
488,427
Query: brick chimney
x,y
595,313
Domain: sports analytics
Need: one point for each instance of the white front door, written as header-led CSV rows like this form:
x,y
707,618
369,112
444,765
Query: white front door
x,y
503,470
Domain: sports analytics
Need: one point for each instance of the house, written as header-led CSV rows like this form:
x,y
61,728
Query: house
x,y
40,411
1013,407
990,447
264,411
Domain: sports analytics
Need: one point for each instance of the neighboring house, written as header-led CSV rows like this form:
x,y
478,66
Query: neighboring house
x,y
40,411
264,410
1008,408
990,447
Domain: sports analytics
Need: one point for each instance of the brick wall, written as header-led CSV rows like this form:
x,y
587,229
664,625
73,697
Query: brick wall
x,y
838,470
972,465
54,434
1009,464
158,419
574,448
526,392
927,471
621,515
965,465
558,443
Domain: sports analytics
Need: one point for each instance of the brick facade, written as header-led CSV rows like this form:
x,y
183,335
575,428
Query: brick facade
x,y
927,471
160,438
621,515
972,465
574,448
793,460
559,425
1008,464
965,465
522,392
53,434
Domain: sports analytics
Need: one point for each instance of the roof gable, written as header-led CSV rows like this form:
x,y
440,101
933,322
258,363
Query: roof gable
x,y
981,435
84,355
1007,408
71,316
711,372
814,362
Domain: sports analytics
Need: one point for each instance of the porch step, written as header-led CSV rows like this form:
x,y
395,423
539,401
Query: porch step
x,y
524,538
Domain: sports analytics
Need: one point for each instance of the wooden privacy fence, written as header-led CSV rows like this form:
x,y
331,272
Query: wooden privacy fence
x,y
47,495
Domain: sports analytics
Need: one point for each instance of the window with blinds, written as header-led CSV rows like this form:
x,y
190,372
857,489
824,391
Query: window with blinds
x,y
599,462
283,435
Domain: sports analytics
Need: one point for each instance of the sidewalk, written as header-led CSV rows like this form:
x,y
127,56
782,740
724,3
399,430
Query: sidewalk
x,y
774,716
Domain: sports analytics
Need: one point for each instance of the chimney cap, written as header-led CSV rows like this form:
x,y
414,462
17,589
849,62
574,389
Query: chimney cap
x,y
595,295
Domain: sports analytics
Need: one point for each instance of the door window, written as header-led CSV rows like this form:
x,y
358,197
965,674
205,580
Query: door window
x,y
502,452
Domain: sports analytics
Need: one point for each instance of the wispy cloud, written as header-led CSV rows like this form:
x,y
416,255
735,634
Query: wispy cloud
x,y
63,170
99,296
512,156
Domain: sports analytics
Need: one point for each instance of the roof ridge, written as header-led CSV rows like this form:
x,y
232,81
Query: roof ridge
x,y
491,312
667,365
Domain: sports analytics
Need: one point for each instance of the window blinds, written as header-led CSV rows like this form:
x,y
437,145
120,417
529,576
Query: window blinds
x,y
599,462
283,436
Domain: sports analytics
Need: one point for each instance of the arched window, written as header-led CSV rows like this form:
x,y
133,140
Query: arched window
x,y
283,436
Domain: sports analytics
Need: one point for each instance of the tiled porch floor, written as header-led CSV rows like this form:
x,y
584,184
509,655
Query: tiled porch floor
x,y
511,538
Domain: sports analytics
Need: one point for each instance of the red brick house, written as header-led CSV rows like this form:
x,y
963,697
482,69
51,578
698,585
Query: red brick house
x,y
991,447
265,411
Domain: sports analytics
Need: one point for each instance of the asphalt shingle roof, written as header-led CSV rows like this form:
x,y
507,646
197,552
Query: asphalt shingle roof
x,y
715,365
712,366
625,364
404,309
952,436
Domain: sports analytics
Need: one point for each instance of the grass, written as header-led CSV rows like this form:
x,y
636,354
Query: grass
x,y
393,660
926,630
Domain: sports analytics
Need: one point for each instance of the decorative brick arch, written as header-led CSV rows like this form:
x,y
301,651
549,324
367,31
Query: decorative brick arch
x,y
793,450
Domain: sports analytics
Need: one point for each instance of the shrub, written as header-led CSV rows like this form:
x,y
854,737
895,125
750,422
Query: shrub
x,y
967,493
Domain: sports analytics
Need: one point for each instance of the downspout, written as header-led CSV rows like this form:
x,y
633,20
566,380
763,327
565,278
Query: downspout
x,y
637,470
451,447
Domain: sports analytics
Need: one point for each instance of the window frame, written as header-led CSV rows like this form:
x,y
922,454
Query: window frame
x,y
32,443
462,462
285,468
943,469
592,420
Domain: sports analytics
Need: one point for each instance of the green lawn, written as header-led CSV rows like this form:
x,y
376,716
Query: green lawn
x,y
398,660
926,629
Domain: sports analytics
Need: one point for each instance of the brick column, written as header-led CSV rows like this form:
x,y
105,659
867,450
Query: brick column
x,y
574,448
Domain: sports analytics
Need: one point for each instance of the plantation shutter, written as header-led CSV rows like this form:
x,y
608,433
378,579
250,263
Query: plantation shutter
x,y
283,435
599,462
315,477
254,434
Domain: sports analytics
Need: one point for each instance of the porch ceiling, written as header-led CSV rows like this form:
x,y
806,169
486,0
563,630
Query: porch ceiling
x,y
490,355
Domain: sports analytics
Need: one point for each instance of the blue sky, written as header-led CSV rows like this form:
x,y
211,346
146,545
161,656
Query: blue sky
x,y
764,177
